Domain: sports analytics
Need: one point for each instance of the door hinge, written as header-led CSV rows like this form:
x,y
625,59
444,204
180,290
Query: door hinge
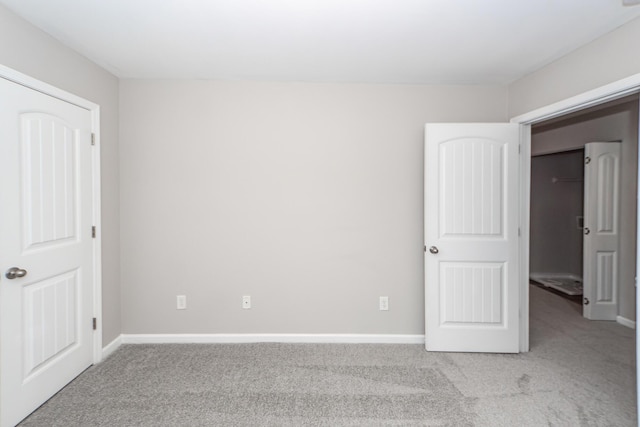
x,y
93,139
93,231
95,323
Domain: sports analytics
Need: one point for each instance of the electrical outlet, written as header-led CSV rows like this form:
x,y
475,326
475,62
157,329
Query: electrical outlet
x,y
181,302
384,303
246,301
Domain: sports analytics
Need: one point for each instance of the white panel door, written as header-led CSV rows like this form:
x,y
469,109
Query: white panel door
x,y
45,223
602,230
471,237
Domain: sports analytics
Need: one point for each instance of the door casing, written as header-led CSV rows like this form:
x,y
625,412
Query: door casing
x,y
37,85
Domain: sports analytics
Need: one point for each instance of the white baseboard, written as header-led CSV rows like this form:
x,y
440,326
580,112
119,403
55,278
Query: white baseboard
x,y
111,347
281,338
626,322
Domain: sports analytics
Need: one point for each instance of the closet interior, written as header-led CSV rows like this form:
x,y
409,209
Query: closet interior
x,y
557,226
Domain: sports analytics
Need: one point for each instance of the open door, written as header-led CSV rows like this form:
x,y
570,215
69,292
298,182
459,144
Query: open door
x,y
46,250
471,237
601,230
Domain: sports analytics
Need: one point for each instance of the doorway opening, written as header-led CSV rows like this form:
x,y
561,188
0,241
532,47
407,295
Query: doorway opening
x,y
557,222
557,229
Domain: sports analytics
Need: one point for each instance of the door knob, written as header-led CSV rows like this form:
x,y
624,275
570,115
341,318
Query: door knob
x,y
434,250
586,230
15,272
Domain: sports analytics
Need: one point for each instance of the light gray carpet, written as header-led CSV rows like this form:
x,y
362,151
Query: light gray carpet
x,y
578,373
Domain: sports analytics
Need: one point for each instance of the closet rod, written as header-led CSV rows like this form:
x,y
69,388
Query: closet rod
x,y
556,179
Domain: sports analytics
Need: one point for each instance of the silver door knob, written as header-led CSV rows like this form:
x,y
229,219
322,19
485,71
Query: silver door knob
x,y
15,272
433,250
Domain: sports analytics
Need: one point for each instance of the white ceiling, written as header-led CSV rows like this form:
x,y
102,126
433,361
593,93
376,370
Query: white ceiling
x,y
368,41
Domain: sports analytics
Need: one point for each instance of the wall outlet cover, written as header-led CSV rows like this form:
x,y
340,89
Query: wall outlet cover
x,y
181,302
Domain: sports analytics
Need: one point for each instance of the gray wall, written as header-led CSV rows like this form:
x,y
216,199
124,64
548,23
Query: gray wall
x,y
556,242
619,122
31,51
308,197
605,60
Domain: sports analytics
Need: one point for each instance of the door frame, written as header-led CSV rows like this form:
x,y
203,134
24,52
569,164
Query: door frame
x,y
609,92
45,88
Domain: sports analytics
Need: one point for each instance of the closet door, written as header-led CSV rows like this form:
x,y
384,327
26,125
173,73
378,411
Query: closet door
x,y
601,230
